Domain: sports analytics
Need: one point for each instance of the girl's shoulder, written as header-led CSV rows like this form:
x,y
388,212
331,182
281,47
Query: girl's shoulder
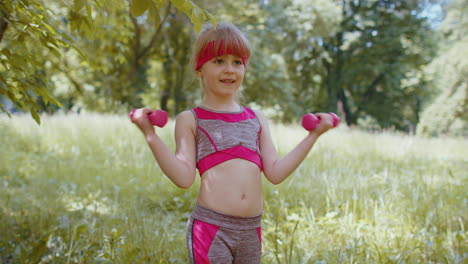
x,y
185,114
257,112
260,116
186,117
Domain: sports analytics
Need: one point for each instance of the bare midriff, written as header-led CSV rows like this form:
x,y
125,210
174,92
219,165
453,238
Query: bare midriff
x,y
233,187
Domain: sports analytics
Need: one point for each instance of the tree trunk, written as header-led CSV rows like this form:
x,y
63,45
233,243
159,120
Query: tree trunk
x,y
3,26
338,72
167,86
178,96
343,107
165,99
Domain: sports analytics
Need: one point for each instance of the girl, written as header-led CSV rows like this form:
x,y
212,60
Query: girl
x,y
230,145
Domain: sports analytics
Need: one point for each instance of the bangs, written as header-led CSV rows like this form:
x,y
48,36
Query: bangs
x,y
230,44
224,39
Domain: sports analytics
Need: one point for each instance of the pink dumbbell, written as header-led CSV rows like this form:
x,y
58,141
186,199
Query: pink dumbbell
x,y
311,121
157,118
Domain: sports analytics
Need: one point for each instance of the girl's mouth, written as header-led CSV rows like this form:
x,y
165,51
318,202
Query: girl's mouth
x,y
228,81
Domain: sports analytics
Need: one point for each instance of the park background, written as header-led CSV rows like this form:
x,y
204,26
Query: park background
x,y
78,184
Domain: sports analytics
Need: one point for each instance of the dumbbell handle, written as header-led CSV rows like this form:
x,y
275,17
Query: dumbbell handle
x,y
311,121
157,118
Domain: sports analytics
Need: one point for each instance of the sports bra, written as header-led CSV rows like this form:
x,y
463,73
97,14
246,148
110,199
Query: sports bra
x,y
222,136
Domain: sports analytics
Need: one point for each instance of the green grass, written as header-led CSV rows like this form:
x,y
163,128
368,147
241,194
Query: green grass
x,y
86,189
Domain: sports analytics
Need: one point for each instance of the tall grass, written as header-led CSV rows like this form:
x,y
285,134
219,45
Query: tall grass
x,y
86,189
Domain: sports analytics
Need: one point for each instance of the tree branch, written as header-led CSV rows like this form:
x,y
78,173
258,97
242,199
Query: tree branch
x,y
136,46
78,87
371,88
155,36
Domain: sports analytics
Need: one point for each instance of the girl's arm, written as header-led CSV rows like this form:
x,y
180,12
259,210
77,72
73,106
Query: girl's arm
x,y
278,169
180,167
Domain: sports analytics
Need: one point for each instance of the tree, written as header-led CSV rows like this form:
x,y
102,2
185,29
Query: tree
x,y
298,31
31,45
448,112
364,57
27,42
368,74
133,44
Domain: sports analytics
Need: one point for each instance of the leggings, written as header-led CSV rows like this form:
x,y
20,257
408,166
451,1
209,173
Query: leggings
x,y
217,238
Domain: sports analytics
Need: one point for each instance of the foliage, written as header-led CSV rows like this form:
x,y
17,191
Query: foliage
x,y
85,189
132,54
372,76
366,60
448,113
361,58
28,41
286,77
28,69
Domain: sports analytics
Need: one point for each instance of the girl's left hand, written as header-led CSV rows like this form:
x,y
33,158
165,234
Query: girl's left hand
x,y
326,123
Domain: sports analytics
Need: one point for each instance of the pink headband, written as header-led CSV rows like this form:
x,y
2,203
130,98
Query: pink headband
x,y
208,53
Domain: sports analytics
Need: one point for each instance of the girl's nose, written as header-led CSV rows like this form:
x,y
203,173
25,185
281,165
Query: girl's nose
x,y
229,67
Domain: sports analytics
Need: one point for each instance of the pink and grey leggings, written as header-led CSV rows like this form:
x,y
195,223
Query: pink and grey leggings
x,y
217,238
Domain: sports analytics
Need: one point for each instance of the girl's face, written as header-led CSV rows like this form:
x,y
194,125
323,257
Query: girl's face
x,y
222,75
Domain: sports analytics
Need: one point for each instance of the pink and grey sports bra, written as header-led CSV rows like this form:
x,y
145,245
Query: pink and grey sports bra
x,y
222,136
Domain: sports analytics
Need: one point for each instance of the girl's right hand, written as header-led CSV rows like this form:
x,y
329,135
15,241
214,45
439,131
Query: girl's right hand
x,y
326,123
141,120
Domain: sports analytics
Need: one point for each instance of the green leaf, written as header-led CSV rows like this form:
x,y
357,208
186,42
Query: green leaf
x,y
81,229
211,18
50,28
87,29
89,11
198,18
55,51
35,116
11,96
188,6
139,7
79,4
54,101
4,110
178,3
182,6
39,247
66,38
198,27
154,15
3,87
196,14
159,3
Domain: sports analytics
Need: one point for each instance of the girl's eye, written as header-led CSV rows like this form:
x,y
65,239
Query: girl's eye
x,y
219,61
238,62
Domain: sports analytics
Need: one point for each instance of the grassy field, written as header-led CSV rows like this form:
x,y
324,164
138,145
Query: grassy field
x,y
86,189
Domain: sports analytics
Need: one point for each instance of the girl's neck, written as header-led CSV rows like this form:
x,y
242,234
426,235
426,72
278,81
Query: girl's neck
x,y
225,106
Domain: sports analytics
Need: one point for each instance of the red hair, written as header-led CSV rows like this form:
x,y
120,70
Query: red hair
x,y
224,39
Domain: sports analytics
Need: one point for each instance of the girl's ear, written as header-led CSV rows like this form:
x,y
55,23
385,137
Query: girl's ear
x,y
199,73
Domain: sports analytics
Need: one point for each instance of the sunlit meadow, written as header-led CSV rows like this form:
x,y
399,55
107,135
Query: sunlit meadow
x,y
86,189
